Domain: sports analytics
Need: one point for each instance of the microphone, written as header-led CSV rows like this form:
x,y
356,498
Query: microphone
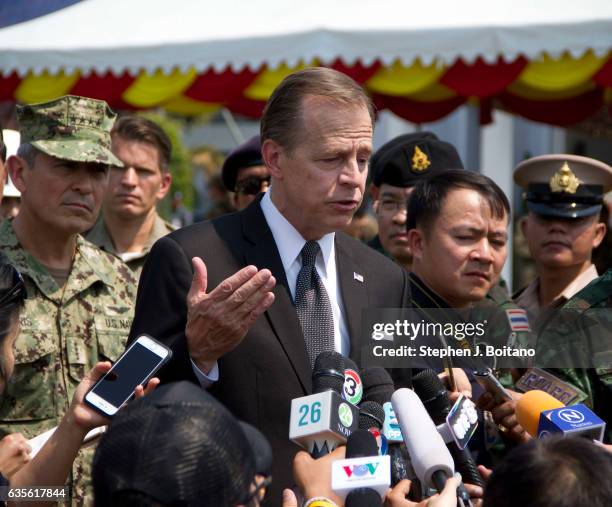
x,y
378,386
352,390
363,477
542,415
530,407
430,458
371,415
322,421
432,393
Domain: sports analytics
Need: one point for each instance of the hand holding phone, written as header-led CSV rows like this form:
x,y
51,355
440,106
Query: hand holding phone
x,y
135,367
492,385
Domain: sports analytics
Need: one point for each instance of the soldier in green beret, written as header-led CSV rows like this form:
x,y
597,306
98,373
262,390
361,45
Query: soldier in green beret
x,y
79,303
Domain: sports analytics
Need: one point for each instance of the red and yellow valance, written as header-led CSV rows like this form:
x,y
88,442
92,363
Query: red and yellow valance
x,y
560,91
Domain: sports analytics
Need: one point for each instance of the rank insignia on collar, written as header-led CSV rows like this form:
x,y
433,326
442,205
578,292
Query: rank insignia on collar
x,y
420,160
564,180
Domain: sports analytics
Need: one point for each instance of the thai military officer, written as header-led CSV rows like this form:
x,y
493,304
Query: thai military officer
x,y
564,197
80,299
396,167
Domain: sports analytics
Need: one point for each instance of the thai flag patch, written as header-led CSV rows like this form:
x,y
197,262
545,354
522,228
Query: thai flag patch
x,y
518,320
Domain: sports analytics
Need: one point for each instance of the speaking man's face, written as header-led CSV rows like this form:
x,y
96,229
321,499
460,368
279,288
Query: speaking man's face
x,y
318,184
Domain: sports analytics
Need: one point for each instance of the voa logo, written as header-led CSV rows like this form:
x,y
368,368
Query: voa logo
x,y
361,470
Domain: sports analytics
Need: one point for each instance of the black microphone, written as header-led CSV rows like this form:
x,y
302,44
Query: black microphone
x,y
371,415
322,421
432,393
362,444
328,373
378,386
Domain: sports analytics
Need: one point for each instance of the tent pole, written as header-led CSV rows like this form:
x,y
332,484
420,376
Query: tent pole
x,y
232,126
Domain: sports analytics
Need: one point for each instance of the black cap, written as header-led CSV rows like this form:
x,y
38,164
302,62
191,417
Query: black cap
x,y
403,161
564,186
247,154
177,445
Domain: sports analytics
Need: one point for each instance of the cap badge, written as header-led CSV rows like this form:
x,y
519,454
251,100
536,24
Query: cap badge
x,y
564,180
420,161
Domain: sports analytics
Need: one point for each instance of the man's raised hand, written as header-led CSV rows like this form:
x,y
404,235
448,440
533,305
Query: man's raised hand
x,y
218,320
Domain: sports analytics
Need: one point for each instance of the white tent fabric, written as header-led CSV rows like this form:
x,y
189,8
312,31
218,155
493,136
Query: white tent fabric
x,y
134,35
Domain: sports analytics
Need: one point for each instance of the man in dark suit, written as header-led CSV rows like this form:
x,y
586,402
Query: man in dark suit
x,y
237,299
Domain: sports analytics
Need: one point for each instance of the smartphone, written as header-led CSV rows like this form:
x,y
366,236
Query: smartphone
x,y
135,367
492,385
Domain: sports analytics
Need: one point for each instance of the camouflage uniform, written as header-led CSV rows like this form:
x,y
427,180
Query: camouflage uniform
x,y
594,385
65,331
100,237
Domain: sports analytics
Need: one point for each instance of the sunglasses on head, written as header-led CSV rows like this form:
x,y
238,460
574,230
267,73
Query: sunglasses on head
x,y
17,292
251,185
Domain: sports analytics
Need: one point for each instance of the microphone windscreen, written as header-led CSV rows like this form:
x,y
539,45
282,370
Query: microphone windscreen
x,y
371,415
360,444
426,447
363,497
328,372
531,405
349,364
432,392
377,385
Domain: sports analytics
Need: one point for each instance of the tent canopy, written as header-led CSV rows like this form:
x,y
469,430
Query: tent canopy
x,y
546,61
147,35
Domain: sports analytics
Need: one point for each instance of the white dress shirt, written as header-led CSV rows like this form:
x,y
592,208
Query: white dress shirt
x,y
289,243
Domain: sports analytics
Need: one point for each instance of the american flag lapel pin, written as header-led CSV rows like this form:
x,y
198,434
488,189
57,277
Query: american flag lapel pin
x,y
358,277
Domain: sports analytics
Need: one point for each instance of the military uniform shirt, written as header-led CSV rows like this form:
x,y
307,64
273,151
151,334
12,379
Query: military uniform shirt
x,y
100,237
529,300
63,333
594,385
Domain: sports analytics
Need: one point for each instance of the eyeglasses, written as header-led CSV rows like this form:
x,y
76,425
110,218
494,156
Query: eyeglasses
x,y
17,292
252,185
392,207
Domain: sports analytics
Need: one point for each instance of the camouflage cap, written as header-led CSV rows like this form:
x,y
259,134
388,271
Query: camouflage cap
x,y
70,128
